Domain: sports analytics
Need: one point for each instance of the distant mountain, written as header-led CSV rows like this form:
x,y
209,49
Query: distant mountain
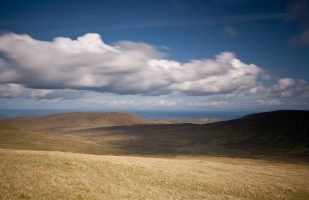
x,y
75,120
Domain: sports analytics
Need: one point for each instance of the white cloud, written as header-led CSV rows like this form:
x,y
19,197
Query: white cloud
x,y
87,72
287,87
124,68
10,90
268,102
208,104
258,89
139,103
202,77
15,90
90,42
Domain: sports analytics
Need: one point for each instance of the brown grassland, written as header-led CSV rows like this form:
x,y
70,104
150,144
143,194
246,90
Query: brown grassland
x,y
102,160
58,175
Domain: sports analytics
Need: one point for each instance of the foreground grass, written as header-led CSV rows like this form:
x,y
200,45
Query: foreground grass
x,y
58,175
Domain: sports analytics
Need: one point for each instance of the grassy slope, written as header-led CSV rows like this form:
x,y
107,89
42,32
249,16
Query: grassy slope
x,y
76,120
13,138
277,130
267,134
56,175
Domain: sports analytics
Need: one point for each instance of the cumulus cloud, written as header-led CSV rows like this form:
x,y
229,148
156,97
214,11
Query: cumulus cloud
x,y
258,90
88,63
287,87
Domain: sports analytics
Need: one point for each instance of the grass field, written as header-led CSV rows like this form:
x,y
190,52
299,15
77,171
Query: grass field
x,y
239,159
58,175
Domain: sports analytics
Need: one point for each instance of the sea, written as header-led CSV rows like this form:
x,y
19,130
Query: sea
x,y
148,114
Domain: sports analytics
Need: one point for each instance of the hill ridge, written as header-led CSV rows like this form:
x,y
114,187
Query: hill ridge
x,y
74,120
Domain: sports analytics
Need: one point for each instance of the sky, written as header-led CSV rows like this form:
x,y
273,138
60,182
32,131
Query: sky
x,y
170,55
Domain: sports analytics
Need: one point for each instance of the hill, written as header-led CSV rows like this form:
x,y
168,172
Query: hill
x,y
286,130
14,138
259,156
279,134
75,120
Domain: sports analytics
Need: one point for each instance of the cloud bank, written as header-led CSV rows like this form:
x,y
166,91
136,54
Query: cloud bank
x,y
88,63
285,87
89,72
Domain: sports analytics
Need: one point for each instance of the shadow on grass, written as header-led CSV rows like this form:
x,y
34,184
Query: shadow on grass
x,y
241,138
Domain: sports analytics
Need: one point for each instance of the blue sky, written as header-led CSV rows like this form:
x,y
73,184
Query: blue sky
x,y
271,35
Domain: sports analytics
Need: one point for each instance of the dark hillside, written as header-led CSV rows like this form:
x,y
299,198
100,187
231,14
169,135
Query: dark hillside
x,y
286,130
279,133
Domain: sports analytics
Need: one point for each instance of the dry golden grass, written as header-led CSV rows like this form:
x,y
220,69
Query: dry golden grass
x,y
58,175
13,138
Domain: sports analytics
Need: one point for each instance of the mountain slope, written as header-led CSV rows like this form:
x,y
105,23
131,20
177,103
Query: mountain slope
x,y
282,130
76,120
14,138
279,133
283,134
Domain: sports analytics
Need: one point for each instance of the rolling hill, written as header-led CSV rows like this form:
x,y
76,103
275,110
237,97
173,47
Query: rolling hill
x,y
14,138
286,130
259,156
75,120
272,133
281,133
